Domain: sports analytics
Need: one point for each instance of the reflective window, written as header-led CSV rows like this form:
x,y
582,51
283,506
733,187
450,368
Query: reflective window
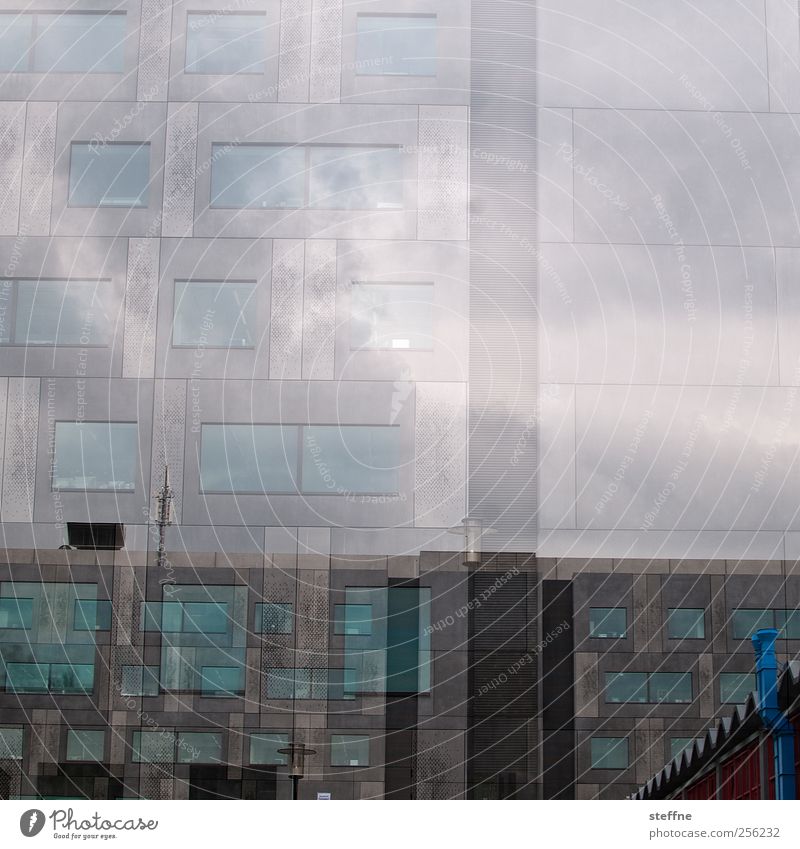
x,y
248,458
351,459
286,683
153,747
111,174
686,623
95,455
746,622
626,687
264,748
85,745
349,750
139,681
10,744
671,687
678,744
392,315
267,176
198,617
735,687
402,45
274,618
56,312
353,619
214,314
50,677
607,622
16,613
225,44
788,623
63,42
199,747
257,176
92,614
220,680
609,752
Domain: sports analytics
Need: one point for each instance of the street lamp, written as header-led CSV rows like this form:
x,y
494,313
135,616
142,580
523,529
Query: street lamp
x,y
297,756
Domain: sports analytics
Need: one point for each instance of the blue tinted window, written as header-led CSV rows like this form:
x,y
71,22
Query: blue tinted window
x,y
686,623
678,745
747,622
205,617
215,314
16,613
626,687
607,622
27,677
609,752
675,687
735,687
95,455
225,44
397,45
264,748
274,618
92,614
71,677
221,680
353,619
201,747
113,174
139,681
85,745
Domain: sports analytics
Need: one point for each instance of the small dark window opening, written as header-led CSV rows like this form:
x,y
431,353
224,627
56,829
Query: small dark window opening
x,y
102,537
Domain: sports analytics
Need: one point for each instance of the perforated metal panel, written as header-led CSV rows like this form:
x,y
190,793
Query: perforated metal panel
x,y
294,71
22,428
286,326
326,51
169,425
37,172
180,170
141,293
154,44
12,134
319,310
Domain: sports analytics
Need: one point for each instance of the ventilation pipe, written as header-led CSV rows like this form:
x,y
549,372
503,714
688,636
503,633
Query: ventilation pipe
x,y
771,715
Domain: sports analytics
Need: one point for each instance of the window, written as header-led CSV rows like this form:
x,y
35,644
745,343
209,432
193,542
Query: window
x,y
269,176
746,622
347,750
403,45
264,748
351,458
607,622
56,312
686,623
353,619
16,613
248,458
153,747
214,314
199,747
95,537
788,622
95,456
220,680
735,687
85,745
10,744
655,687
139,681
64,42
678,744
92,614
286,683
392,316
609,752
110,174
67,678
225,44
273,618
188,617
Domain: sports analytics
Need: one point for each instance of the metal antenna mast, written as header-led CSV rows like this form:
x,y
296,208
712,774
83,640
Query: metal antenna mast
x,y
164,499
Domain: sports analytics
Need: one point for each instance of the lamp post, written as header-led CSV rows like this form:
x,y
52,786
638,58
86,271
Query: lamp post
x,y
297,757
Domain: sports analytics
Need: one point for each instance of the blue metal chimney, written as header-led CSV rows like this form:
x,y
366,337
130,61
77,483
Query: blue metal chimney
x,y
779,726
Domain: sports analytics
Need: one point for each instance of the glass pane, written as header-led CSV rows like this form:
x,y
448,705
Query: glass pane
x,y
351,459
626,687
10,738
71,677
16,31
225,44
353,619
205,617
672,687
356,178
747,622
392,315
62,312
27,677
16,613
678,744
139,681
221,680
109,175
735,687
686,623
85,745
349,751
79,43
791,624
609,752
92,614
264,749
397,45
248,458
280,683
7,309
153,747
272,618
607,622
257,176
95,455
199,747
215,314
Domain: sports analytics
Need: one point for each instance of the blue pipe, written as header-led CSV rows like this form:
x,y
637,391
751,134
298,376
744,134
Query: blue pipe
x,y
774,719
